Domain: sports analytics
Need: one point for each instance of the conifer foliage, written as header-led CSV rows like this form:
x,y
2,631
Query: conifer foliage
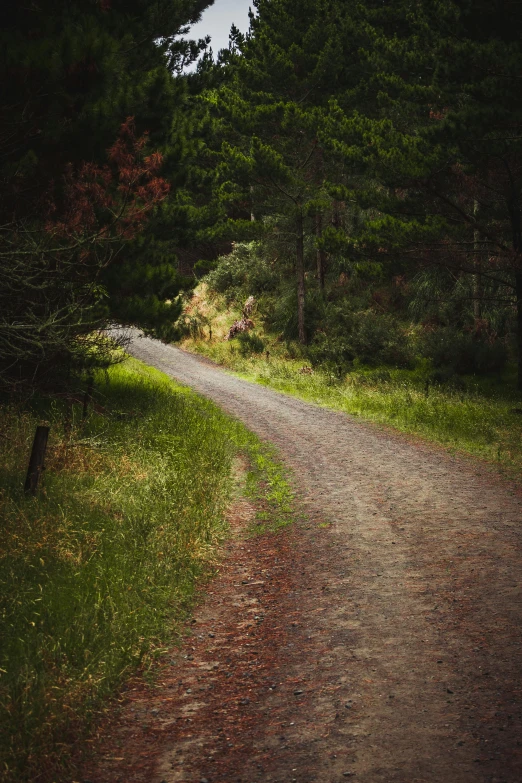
x,y
94,130
385,140
372,149
278,80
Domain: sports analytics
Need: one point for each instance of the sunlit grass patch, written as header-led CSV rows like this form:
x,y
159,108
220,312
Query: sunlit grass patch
x,y
268,484
464,419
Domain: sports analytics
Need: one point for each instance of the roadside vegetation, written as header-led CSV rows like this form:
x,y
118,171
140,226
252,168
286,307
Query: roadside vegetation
x,y
477,413
97,572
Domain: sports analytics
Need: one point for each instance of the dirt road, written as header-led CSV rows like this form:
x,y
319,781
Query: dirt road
x,y
380,640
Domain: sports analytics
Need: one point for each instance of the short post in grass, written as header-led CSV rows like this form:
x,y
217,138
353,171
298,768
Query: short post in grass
x,y
37,459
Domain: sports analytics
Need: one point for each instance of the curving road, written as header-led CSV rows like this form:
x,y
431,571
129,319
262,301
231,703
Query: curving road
x,y
420,627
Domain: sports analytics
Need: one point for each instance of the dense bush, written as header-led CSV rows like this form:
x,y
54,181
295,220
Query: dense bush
x,y
378,339
250,343
370,337
462,352
191,324
344,326
331,353
244,272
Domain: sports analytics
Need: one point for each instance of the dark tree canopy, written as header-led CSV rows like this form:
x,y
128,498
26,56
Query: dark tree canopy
x,y
73,75
383,140
362,142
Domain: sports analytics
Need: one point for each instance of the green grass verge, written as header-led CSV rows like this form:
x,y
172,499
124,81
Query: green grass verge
x,y
98,571
268,485
478,416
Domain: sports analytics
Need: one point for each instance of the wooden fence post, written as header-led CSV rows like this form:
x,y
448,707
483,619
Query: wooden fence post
x,y
36,461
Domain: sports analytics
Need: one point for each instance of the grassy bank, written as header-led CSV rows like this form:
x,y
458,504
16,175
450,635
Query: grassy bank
x,y
98,571
480,416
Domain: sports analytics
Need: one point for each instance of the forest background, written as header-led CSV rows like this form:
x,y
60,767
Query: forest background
x,y
366,158
354,167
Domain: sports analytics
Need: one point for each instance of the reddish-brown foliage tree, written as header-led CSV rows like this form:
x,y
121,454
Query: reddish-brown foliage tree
x,y
110,201
53,294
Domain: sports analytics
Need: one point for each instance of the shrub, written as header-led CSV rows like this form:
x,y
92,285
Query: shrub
x,y
250,343
280,314
191,325
462,352
370,337
243,273
333,354
378,339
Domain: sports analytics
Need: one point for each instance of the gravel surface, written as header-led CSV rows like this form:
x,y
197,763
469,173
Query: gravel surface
x,y
406,579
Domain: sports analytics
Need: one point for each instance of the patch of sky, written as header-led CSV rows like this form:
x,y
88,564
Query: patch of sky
x,y
217,20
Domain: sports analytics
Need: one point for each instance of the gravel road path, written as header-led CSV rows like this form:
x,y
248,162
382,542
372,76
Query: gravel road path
x,y
410,590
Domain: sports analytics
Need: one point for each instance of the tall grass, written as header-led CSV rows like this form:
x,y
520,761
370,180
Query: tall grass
x,y
98,570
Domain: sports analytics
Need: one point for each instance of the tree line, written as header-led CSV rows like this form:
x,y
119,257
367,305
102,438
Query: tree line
x,y
367,158
95,143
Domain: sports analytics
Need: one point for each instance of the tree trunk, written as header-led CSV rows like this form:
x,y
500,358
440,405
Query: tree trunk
x,y
301,283
321,255
336,217
477,280
516,225
37,459
518,290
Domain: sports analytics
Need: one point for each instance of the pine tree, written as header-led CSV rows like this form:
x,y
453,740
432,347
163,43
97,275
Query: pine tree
x,y
276,84
72,75
431,137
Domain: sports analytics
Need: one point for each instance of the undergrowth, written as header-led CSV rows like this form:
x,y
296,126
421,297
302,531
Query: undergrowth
x,y
477,415
97,571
